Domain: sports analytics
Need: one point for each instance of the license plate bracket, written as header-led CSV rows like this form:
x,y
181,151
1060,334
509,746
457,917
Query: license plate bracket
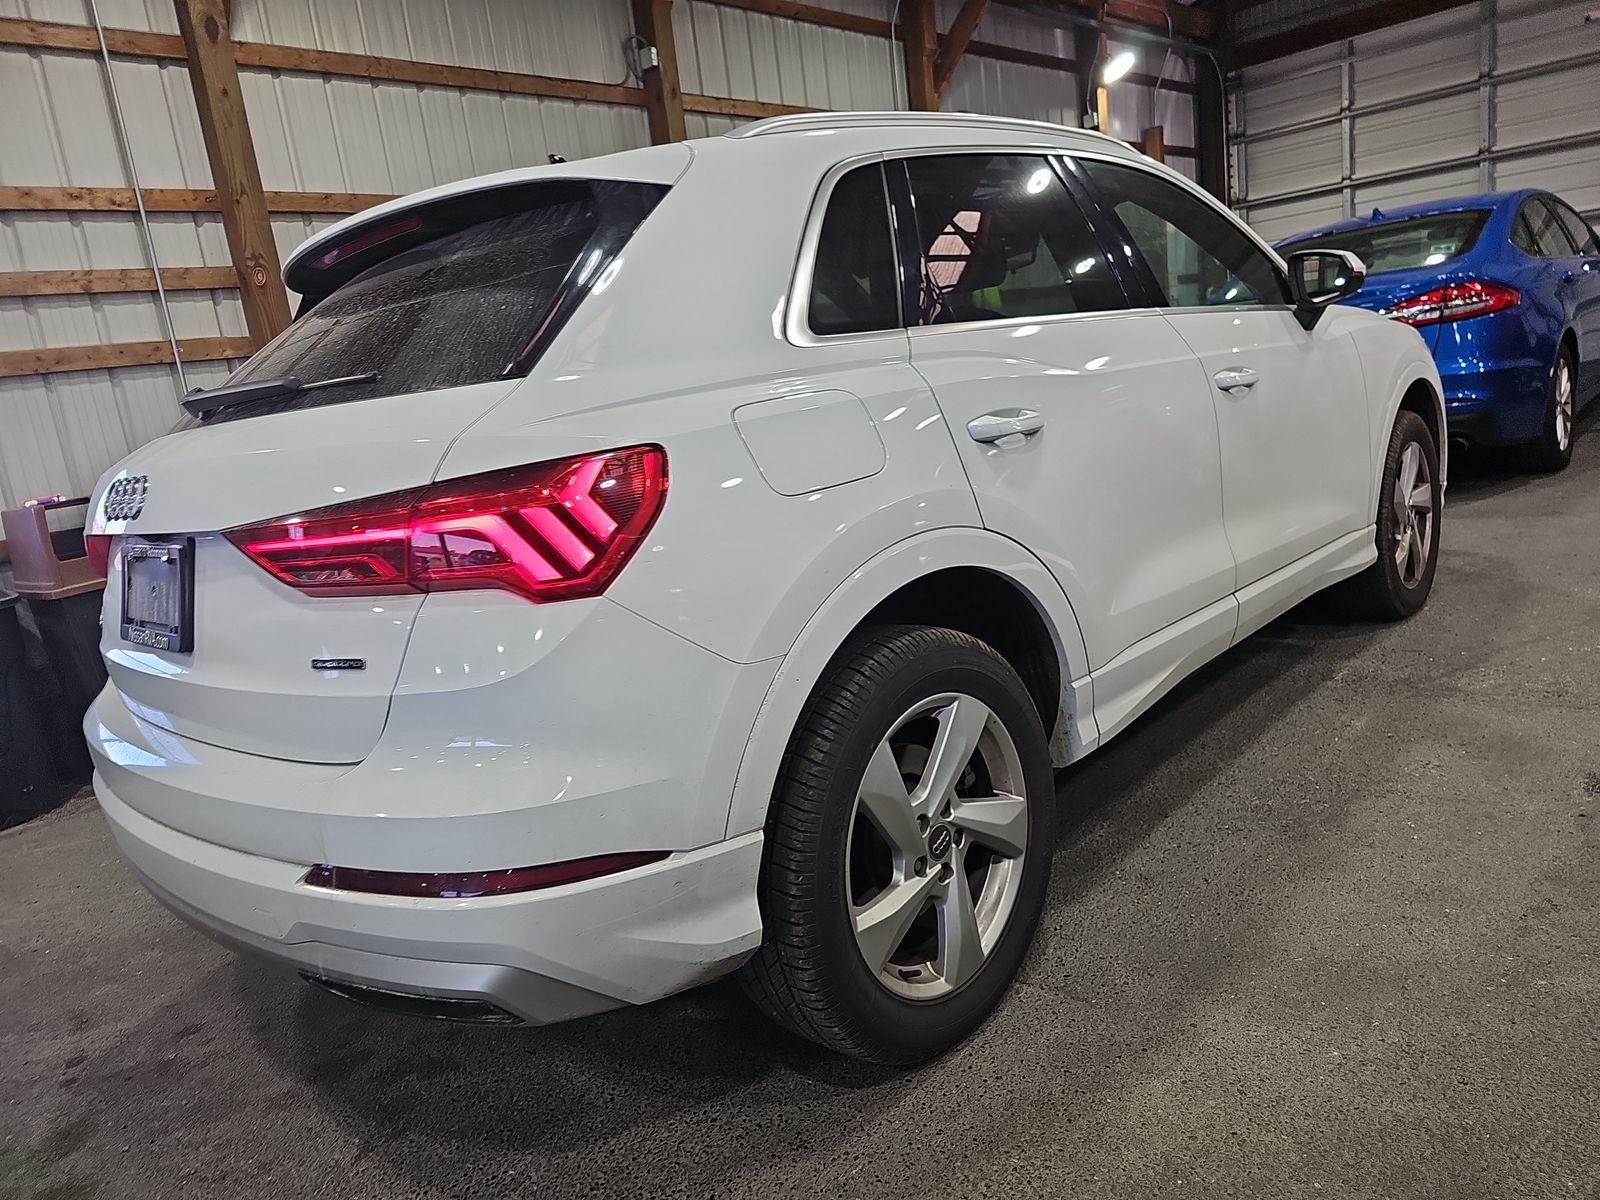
x,y
158,594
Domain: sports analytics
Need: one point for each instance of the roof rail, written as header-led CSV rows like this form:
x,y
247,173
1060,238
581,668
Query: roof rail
x,y
801,122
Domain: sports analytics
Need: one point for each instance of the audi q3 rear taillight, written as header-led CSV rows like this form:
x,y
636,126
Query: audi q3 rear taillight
x,y
1454,302
551,531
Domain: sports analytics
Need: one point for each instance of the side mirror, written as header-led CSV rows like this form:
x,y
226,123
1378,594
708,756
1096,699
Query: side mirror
x,y
1319,278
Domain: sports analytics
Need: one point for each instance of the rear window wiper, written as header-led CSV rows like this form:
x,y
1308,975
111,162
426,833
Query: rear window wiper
x,y
200,403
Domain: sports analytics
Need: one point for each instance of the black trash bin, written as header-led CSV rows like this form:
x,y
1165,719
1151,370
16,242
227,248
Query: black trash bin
x,y
28,784
63,597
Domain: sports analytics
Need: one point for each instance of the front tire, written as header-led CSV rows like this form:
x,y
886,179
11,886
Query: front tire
x,y
907,850
1409,507
1553,451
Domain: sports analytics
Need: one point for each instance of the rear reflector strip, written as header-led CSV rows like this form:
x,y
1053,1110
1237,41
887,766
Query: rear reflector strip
x,y
469,884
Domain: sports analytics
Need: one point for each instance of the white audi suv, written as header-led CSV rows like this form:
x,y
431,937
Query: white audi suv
x,y
630,571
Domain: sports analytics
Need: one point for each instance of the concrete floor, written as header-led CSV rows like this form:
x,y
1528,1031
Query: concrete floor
x,y
1327,923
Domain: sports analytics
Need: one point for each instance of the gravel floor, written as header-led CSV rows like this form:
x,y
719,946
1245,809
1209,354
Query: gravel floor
x,y
1326,923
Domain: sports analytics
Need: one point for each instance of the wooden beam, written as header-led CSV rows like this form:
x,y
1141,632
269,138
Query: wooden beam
x,y
955,43
1328,30
214,76
404,70
31,198
1210,130
1154,143
262,56
663,96
1197,23
120,354
48,35
121,279
726,107
1029,58
922,40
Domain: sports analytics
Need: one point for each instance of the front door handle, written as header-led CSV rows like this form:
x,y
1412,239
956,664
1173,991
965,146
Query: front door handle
x,y
1234,379
1018,423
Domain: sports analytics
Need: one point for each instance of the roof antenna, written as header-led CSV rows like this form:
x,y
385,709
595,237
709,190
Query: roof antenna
x,y
1377,215
557,158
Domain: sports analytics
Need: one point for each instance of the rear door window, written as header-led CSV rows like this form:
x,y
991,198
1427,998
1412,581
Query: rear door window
x,y
460,292
1546,230
854,284
1577,228
1000,236
1522,234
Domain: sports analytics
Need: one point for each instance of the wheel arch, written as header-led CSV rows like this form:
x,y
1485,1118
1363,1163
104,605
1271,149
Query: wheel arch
x,y
1569,339
972,579
1417,390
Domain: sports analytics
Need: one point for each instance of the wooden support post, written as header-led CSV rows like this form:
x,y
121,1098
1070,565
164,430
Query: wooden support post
x,y
1154,143
663,97
955,42
235,175
922,41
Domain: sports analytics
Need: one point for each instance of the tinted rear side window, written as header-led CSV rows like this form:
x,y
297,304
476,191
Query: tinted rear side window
x,y
1548,234
1000,236
1577,228
854,284
444,307
1522,234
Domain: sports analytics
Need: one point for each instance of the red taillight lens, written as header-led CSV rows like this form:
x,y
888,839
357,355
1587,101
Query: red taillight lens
x,y
1454,302
97,549
466,884
551,531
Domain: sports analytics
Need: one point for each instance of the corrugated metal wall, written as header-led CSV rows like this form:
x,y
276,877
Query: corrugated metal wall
x,y
323,133
752,56
58,432
1491,96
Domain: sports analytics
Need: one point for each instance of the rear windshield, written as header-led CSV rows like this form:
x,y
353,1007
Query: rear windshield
x,y
459,295
1404,244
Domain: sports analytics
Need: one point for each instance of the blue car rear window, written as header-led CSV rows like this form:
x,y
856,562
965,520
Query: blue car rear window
x,y
1404,244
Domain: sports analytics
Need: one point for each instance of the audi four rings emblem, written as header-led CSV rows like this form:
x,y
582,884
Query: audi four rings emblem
x,y
125,497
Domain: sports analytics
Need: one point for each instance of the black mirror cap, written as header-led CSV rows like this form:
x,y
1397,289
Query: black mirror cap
x,y
1319,278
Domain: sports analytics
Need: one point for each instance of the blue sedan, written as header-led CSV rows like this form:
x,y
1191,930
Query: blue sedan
x,y
1505,289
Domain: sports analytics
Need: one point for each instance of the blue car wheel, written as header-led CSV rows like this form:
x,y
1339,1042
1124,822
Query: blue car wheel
x,y
1553,450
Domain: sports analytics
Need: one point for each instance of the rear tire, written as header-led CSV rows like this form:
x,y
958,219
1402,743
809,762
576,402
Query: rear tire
x,y
907,849
1553,449
1398,584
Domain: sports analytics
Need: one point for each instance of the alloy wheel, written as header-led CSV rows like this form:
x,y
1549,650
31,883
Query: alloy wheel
x,y
936,845
1413,515
1564,404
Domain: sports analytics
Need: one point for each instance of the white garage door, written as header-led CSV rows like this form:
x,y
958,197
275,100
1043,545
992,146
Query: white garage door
x,y
1491,96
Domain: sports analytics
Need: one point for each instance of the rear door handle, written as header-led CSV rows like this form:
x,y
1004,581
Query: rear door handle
x,y
1019,423
1232,379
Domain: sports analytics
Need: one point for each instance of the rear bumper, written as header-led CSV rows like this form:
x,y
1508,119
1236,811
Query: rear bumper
x,y
518,735
540,957
1496,384
1496,406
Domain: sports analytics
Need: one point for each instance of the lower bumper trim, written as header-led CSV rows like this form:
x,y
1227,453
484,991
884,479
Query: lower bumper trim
x,y
463,1010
